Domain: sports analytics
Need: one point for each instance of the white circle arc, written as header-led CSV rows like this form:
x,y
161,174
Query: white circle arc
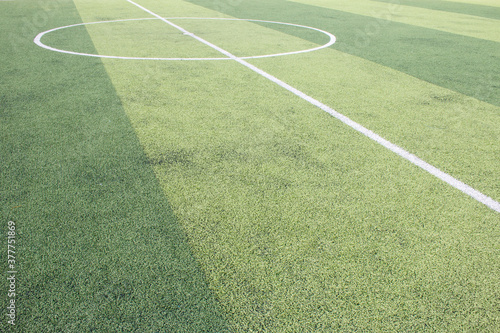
x,y
38,38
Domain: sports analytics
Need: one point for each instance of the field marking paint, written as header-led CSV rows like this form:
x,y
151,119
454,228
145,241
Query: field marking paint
x,y
38,39
363,130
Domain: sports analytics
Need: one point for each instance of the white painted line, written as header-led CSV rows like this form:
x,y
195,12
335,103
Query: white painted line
x,y
392,147
38,40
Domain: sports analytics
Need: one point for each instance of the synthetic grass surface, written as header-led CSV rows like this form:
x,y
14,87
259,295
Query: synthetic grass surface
x,y
267,188
98,248
463,24
421,117
453,61
296,222
453,7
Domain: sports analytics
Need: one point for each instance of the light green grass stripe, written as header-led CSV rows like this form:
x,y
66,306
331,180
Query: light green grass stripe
x,y
477,2
454,7
454,132
455,23
296,219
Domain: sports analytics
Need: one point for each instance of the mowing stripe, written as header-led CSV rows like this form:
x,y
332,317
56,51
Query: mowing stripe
x,y
455,23
363,130
452,7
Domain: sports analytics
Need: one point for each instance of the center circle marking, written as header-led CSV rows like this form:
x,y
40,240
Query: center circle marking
x,y
38,38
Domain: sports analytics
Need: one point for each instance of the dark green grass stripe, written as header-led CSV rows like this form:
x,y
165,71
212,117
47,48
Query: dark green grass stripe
x,y
98,247
459,63
453,7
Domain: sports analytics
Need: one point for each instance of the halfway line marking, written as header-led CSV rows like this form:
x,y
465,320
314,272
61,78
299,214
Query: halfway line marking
x,y
363,130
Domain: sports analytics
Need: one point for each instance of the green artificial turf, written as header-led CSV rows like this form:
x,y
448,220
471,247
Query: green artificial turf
x,y
294,217
452,7
456,62
453,132
98,247
198,196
